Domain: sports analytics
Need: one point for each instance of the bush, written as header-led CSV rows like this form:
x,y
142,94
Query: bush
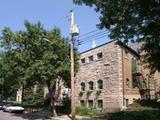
x,y
37,105
84,111
65,108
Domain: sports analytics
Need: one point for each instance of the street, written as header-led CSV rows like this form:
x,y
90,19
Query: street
x,y
10,116
29,116
19,116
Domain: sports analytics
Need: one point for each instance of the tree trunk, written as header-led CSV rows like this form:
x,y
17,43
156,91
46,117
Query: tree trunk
x,y
53,107
52,90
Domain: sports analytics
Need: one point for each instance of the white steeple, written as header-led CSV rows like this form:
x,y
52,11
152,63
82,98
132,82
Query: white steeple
x,y
93,44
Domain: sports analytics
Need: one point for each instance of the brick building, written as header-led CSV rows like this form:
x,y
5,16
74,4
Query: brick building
x,y
111,76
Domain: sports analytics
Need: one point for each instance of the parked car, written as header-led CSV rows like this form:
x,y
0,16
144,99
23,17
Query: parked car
x,y
158,100
5,106
1,106
13,109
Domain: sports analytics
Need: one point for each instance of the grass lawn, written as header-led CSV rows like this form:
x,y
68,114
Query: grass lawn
x,y
135,115
139,110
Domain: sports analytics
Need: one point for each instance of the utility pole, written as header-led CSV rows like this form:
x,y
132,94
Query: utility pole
x,y
74,30
72,68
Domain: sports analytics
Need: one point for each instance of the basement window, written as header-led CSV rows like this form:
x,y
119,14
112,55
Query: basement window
x,y
127,102
82,103
100,104
90,104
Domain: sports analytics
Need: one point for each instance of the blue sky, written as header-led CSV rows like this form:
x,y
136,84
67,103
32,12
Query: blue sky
x,y
50,13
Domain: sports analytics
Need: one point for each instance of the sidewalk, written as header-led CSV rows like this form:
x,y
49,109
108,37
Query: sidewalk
x,y
63,117
66,117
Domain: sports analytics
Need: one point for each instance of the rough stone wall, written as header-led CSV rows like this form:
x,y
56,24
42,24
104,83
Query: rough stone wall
x,y
154,84
130,93
108,69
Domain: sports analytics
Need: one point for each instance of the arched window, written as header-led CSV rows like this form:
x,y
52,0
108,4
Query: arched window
x,y
90,85
82,86
100,84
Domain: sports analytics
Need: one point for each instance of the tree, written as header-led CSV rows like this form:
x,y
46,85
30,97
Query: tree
x,y
7,88
132,20
32,59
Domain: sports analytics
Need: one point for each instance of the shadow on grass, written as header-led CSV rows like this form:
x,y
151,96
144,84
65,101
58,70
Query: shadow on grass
x,y
134,115
149,103
41,115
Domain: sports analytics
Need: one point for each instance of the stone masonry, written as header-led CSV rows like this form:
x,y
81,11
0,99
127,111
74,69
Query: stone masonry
x,y
109,70
114,68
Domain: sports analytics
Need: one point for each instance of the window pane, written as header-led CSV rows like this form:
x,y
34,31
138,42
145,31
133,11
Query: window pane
x,y
127,83
99,55
127,102
100,84
82,103
90,85
90,58
82,86
100,104
90,103
83,60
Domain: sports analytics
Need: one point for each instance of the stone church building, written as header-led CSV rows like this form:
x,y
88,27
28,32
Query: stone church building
x,y
112,76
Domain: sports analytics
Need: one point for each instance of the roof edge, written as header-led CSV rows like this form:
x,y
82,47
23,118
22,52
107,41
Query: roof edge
x,y
119,43
128,48
98,46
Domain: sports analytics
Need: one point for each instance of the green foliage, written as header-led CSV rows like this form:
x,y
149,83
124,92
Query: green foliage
x,y
135,115
84,111
33,97
29,59
65,108
139,110
131,20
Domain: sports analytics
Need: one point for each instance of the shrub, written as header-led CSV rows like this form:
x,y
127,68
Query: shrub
x,y
84,111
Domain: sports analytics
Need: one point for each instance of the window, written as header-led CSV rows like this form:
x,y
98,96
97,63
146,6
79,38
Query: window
x,y
82,86
90,85
90,58
127,83
82,103
90,104
126,54
135,82
127,102
100,104
100,84
83,60
99,55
